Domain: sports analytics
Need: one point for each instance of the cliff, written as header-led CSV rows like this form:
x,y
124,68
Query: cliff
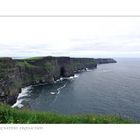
x,y
10,82
105,60
15,74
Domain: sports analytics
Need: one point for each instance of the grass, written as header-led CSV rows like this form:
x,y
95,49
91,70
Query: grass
x,y
24,116
48,66
24,64
34,58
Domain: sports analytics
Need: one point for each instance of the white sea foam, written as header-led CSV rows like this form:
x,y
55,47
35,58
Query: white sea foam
x,y
24,93
87,69
72,77
59,89
58,80
76,75
52,93
67,78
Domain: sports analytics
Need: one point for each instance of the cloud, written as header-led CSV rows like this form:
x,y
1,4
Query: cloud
x,y
76,37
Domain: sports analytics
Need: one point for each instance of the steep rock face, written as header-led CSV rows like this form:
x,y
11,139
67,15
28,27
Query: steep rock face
x,y
15,74
10,82
105,60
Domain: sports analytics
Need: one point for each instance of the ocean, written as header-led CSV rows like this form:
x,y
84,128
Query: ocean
x,y
110,89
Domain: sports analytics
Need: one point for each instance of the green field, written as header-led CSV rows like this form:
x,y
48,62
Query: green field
x,y
24,116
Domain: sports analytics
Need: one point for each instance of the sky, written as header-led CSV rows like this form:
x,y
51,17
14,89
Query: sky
x,y
70,36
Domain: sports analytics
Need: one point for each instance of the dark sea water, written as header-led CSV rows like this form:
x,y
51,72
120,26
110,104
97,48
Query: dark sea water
x,y
109,89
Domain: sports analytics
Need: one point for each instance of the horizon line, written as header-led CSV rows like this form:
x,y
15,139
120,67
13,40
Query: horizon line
x,y
23,57
69,15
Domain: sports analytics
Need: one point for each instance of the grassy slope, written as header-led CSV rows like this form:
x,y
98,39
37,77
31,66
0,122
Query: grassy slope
x,y
24,64
34,58
9,115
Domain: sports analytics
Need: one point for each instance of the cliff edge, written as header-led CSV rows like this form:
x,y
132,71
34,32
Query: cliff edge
x,y
15,73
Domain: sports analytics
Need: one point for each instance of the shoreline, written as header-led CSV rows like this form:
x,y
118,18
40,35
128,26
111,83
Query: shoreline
x,y
16,74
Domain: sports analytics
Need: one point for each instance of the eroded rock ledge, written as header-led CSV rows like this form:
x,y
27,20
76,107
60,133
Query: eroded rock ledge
x,y
15,74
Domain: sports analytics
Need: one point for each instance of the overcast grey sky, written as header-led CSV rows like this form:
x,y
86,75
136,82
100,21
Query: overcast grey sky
x,y
70,36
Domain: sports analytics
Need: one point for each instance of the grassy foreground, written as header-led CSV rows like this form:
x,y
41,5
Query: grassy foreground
x,y
16,116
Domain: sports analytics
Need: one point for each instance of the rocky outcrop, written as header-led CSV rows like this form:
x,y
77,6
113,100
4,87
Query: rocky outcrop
x,y
15,74
10,82
105,60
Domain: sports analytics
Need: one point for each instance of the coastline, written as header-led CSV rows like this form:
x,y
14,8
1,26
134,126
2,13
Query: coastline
x,y
16,74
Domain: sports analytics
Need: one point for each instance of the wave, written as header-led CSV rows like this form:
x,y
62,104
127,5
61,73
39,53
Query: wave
x,y
59,89
52,93
67,78
87,69
20,99
25,91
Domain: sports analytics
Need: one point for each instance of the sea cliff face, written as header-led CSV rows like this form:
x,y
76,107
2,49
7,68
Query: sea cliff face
x,y
10,81
15,74
105,60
